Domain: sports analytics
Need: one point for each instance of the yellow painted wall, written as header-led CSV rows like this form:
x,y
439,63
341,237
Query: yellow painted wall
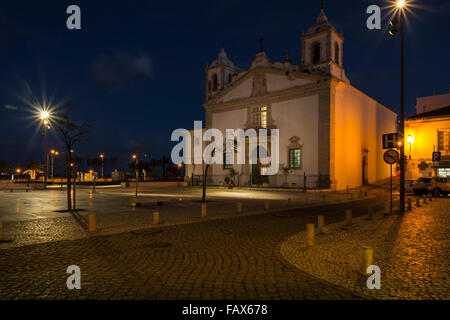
x,y
425,133
360,123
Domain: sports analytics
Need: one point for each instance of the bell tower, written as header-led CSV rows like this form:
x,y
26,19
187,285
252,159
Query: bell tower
x,y
219,74
322,49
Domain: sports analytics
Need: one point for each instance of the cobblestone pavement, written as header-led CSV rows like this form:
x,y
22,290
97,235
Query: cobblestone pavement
x,y
219,259
35,217
412,252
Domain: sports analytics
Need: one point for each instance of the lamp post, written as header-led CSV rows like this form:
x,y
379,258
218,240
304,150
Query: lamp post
x,y
102,158
397,25
135,157
53,153
44,117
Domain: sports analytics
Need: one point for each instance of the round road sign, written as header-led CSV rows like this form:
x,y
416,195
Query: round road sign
x,y
391,156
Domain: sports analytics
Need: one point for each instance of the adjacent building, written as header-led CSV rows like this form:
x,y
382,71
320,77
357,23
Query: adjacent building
x,y
426,132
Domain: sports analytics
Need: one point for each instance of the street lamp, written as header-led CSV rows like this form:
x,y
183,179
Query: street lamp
x,y
135,157
102,157
53,153
410,140
397,26
45,118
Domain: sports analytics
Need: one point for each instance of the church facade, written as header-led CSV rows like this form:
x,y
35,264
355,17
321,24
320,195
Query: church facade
x,y
330,133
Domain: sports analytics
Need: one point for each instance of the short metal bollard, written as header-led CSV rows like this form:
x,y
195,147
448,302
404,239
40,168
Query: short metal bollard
x,y
155,217
310,234
203,209
239,207
348,217
370,212
367,259
91,222
266,205
409,205
417,202
320,224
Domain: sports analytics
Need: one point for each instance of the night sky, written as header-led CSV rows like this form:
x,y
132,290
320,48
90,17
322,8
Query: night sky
x,y
136,69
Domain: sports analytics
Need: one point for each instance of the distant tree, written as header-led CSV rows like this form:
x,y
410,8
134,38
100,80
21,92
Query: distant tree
x,y
141,166
164,161
154,163
5,166
173,171
32,165
72,135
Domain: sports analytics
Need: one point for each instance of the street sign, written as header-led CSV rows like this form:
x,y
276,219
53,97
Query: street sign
x,y
391,157
436,156
390,141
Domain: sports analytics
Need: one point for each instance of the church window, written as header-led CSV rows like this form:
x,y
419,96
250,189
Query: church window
x,y
444,142
336,53
295,158
228,160
215,83
209,85
259,115
316,53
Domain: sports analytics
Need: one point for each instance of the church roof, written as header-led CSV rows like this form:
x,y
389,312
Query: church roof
x,y
321,24
441,112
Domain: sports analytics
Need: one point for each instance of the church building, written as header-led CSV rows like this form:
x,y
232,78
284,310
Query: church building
x,y
330,133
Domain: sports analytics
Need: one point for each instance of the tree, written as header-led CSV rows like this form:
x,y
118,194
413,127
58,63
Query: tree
x,y
72,135
32,165
5,166
164,161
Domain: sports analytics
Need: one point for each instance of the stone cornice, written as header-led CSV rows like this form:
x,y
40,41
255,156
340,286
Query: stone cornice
x,y
313,35
273,97
255,70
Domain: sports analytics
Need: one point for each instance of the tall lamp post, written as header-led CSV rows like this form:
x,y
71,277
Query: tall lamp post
x,y
397,25
102,158
410,140
53,153
45,125
135,157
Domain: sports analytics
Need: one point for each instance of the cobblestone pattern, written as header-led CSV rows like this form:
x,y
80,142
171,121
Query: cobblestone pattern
x,y
219,259
31,218
413,253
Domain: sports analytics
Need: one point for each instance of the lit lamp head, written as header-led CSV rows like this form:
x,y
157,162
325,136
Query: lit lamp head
x,y
102,156
410,139
134,156
44,115
180,165
18,170
400,4
52,151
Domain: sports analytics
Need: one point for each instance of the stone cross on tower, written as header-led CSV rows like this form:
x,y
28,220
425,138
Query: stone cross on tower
x,y
260,40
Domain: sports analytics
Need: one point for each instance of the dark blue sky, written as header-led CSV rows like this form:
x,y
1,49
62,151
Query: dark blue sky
x,y
135,70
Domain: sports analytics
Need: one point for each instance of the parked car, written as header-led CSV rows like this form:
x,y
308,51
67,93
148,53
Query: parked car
x,y
436,186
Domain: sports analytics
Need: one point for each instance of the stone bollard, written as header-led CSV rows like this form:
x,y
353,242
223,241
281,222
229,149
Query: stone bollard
x,y
409,206
1,231
320,224
266,205
310,234
155,217
91,222
348,217
417,202
367,259
239,207
425,200
430,197
203,209
370,213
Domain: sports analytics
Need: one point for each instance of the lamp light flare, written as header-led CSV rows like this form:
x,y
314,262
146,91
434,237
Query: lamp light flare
x,y
400,4
44,115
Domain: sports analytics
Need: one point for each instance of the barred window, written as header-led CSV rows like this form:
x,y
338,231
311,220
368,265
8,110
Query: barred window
x,y
259,115
444,142
227,160
294,158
